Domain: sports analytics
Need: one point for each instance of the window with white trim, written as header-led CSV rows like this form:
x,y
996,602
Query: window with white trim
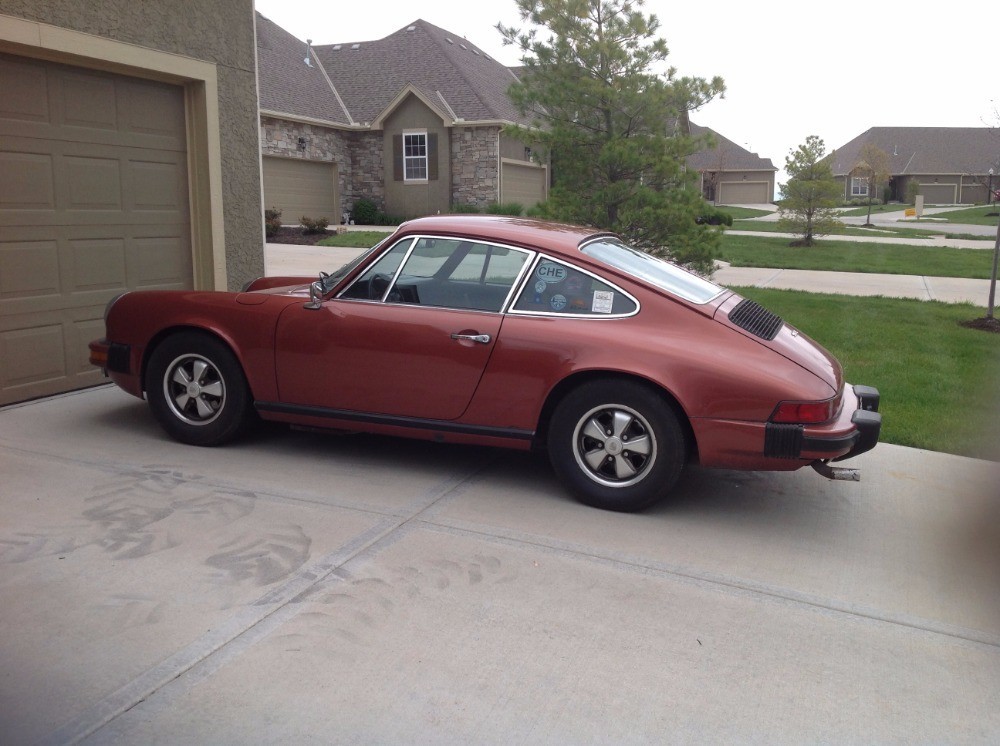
x,y
859,186
415,156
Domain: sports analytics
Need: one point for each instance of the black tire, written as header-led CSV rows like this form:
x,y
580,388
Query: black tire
x,y
589,442
197,390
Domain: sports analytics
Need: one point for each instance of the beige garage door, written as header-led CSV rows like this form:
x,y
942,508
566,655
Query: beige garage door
x,y
743,193
93,201
939,194
523,183
301,189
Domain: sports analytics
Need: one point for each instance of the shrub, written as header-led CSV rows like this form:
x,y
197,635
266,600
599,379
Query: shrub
x,y
313,226
365,212
514,209
272,222
711,215
459,208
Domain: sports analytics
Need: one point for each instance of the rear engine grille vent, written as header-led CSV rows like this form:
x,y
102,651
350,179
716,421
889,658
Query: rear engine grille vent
x,y
756,319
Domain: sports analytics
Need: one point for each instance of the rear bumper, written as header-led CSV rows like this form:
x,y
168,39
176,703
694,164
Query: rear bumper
x,y
855,431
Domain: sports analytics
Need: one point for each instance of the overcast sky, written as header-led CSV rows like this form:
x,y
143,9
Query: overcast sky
x,y
792,68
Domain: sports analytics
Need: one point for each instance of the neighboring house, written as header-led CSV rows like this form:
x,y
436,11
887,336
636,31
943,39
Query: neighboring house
x,y
729,174
950,165
413,122
129,159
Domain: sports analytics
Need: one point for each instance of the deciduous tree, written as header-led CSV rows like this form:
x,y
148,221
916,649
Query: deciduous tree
x,y
810,194
873,169
614,123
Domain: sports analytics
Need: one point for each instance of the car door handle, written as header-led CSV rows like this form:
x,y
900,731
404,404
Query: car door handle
x,y
483,339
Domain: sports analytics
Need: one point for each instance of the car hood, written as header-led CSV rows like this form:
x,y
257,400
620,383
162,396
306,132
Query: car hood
x,y
259,297
771,331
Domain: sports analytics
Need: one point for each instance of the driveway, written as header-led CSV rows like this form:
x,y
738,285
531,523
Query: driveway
x,y
314,588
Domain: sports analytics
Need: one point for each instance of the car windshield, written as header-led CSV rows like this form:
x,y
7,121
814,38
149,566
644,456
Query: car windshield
x,y
653,270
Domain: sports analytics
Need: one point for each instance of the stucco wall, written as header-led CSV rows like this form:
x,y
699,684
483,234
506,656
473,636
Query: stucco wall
x,y
220,32
412,199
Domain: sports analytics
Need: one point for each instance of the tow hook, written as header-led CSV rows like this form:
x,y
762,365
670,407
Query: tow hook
x,y
836,472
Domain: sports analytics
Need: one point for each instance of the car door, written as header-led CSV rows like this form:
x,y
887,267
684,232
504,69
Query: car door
x,y
409,338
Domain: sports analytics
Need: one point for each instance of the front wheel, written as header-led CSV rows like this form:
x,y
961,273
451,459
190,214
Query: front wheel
x,y
617,445
196,389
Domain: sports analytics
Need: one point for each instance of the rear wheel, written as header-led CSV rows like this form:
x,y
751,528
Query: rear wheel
x,y
196,389
617,445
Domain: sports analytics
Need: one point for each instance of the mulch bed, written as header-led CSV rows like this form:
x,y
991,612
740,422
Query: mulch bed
x,y
983,324
296,236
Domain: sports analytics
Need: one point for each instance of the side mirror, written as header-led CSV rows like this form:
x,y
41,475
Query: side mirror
x,y
315,296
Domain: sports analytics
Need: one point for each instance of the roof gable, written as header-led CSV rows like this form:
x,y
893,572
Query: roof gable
x,y
445,69
925,150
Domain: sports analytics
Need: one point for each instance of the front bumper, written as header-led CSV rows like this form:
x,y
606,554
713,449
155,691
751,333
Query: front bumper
x,y
855,432
110,356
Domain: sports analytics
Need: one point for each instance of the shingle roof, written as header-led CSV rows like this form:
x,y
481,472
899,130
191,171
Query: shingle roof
x,y
370,74
725,156
286,83
926,150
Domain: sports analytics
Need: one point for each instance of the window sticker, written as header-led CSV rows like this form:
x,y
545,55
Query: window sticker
x,y
604,301
550,272
557,302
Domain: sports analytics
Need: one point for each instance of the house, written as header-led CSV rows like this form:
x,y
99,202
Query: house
x,y
730,174
948,165
413,122
130,159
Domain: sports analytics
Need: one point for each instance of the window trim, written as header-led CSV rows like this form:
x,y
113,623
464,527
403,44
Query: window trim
x,y
543,257
862,189
410,158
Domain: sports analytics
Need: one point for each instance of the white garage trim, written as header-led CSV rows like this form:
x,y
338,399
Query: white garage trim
x,y
200,81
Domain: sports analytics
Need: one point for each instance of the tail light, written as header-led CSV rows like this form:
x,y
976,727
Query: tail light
x,y
807,412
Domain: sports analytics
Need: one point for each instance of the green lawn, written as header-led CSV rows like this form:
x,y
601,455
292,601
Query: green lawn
x,y
741,213
969,215
884,231
355,239
937,379
847,256
862,211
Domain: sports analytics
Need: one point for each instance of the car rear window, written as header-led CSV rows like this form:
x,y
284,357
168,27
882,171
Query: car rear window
x,y
651,269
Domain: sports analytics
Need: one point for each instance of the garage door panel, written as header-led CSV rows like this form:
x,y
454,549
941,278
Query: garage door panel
x,y
94,201
29,269
28,182
743,192
23,91
939,194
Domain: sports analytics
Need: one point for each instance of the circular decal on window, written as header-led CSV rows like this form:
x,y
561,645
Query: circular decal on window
x,y
550,272
558,302
540,286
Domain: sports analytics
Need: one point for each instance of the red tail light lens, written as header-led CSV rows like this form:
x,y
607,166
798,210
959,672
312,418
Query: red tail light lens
x,y
806,412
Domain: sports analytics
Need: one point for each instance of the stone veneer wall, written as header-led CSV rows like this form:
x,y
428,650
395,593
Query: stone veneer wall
x,y
475,163
358,155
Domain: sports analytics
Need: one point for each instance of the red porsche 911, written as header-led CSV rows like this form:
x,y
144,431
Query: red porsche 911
x,y
503,332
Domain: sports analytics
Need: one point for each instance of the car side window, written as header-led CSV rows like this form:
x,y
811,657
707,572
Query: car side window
x,y
456,273
373,282
557,288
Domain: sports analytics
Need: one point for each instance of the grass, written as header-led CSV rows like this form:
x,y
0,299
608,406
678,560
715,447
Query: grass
x,y
862,210
937,379
742,213
355,239
970,215
848,256
882,231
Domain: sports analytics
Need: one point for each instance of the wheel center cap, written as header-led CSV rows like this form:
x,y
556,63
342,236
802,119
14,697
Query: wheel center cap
x,y
193,389
613,446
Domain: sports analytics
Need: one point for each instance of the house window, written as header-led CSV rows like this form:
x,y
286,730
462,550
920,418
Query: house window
x,y
414,156
859,187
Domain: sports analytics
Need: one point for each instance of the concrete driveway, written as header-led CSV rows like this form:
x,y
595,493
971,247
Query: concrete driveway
x,y
309,588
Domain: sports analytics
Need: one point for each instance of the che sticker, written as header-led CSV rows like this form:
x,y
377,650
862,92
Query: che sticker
x,y
604,301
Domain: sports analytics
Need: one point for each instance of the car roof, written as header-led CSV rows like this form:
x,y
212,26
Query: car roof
x,y
553,237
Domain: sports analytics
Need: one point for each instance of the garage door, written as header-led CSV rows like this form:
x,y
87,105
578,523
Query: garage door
x,y
743,193
523,183
93,201
301,188
939,194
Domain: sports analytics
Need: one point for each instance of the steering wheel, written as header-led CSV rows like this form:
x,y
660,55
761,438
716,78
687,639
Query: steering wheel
x,y
377,286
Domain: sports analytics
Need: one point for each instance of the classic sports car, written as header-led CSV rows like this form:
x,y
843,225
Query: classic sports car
x,y
503,332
